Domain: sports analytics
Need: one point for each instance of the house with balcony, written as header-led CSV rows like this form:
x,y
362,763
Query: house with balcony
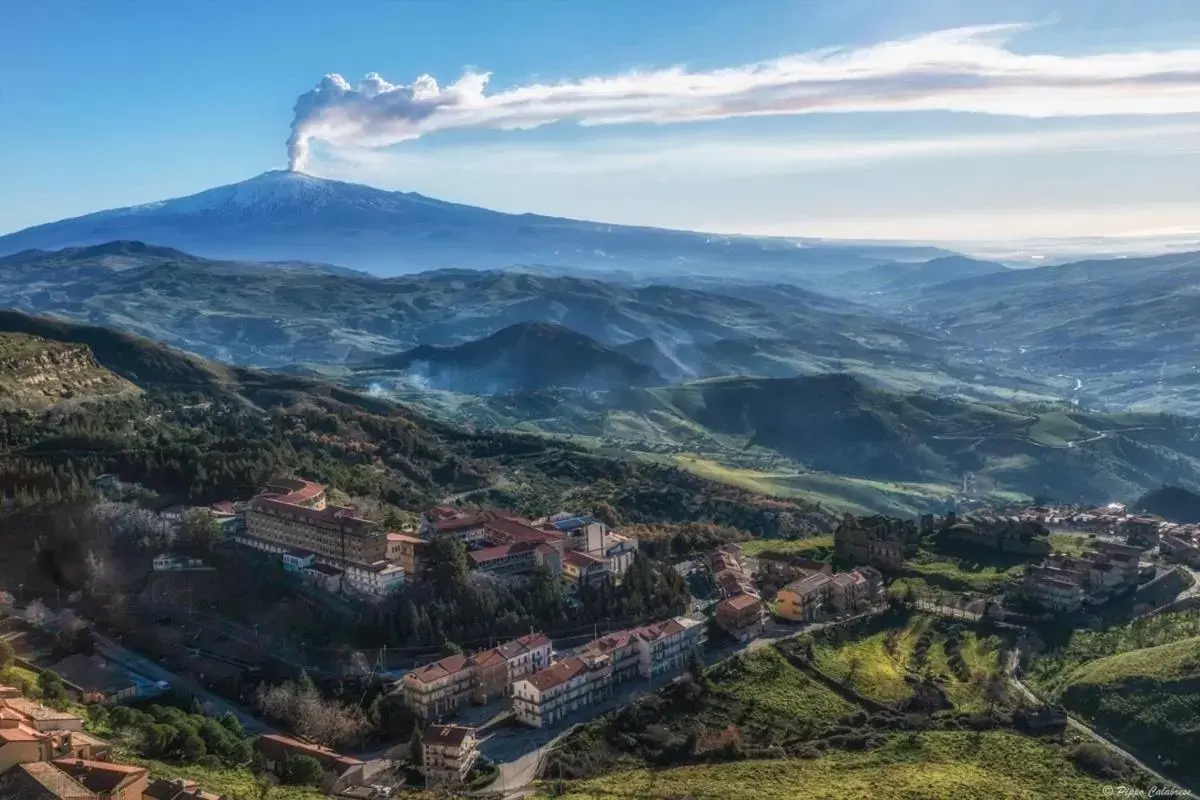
x,y
547,696
376,581
447,754
742,617
622,648
440,688
667,646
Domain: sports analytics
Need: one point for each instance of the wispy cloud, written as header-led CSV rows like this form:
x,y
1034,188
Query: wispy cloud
x,y
741,156
963,69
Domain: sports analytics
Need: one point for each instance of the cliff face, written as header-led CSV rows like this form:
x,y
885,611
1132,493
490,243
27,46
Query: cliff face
x,y
35,373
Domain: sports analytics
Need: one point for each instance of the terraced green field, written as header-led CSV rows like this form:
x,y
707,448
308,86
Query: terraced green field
x,y
962,766
876,665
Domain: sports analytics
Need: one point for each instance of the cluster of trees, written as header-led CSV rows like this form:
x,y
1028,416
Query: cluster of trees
x,y
300,705
172,734
451,603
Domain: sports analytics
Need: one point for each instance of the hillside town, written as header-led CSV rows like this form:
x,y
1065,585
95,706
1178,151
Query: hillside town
x,y
530,681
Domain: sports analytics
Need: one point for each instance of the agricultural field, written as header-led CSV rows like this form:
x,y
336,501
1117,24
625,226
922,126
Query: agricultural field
x,y
1070,543
963,766
876,665
818,548
765,680
959,575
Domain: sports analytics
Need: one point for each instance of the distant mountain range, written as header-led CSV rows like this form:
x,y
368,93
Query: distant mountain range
x,y
291,216
281,314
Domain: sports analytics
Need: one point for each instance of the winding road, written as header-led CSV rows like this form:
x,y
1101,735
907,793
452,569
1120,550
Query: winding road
x,y
1081,726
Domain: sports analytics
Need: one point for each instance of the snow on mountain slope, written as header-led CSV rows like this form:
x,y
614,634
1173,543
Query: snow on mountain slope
x,y
294,216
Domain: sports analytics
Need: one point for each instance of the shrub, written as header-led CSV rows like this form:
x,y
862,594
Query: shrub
x,y
1095,758
303,771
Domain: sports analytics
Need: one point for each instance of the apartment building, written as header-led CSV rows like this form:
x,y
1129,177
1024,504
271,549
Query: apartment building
x,y
622,648
742,617
374,581
545,697
801,600
1050,589
444,686
668,645
589,535
447,754
526,655
333,533
440,688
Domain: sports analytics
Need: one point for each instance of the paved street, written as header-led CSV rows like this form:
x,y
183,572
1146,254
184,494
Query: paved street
x,y
143,666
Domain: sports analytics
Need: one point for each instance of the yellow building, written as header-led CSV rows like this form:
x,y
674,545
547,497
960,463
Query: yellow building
x,y
802,599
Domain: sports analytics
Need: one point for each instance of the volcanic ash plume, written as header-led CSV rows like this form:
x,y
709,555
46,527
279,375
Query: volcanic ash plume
x,y
963,69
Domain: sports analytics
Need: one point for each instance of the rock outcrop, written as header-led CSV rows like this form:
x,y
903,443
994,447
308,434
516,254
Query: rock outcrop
x,y
35,373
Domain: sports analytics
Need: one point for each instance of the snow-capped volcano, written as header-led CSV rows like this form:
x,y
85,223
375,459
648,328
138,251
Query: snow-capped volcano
x,y
282,215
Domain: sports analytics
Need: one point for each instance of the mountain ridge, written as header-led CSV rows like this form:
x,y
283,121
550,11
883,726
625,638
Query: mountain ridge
x,y
289,216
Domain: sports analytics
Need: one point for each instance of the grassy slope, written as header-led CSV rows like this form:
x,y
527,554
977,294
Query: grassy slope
x,y
816,547
765,679
962,766
1140,682
1165,662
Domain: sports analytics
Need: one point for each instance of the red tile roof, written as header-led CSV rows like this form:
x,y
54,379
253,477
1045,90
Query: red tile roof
x,y
100,776
557,674
276,747
739,603
439,669
404,537
501,551
446,735
578,559
52,780
20,732
489,659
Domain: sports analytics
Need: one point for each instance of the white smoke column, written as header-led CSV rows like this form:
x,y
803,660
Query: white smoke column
x,y
963,69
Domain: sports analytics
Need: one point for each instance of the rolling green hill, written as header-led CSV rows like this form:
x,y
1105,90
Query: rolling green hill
x,y
1139,681
203,432
852,444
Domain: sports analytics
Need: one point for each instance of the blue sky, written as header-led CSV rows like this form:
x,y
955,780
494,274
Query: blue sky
x,y
108,104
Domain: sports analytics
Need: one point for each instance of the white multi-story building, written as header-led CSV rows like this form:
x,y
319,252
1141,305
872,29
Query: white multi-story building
x,y
374,581
666,646
545,697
